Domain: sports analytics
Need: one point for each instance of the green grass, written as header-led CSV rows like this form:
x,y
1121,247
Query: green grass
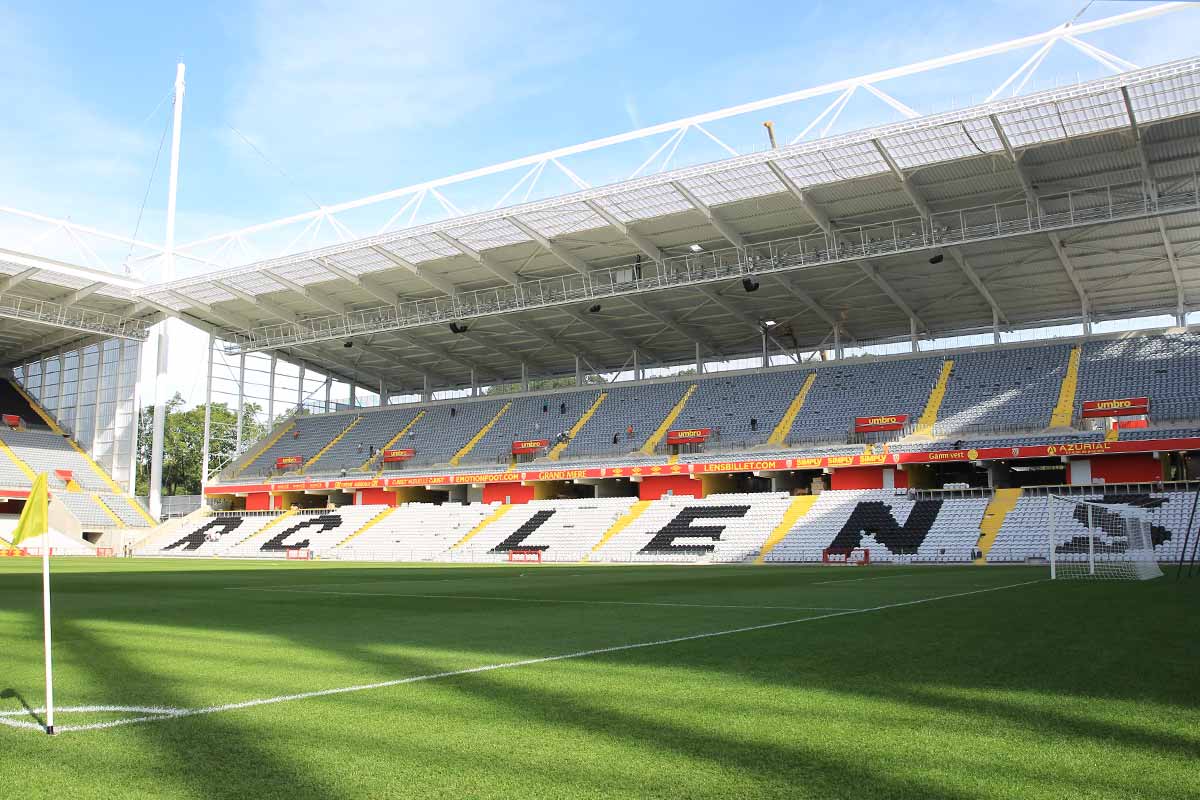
x,y
1076,690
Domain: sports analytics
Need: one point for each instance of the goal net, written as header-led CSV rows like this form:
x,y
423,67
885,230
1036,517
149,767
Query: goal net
x,y
846,556
298,554
525,556
1100,541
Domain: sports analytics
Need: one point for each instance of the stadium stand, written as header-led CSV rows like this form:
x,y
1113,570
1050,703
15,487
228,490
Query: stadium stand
x,y
1164,368
1003,389
414,532
562,530
315,531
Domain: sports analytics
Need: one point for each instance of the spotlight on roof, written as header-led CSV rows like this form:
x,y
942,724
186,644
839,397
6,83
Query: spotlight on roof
x,y
594,309
456,328
695,248
937,258
347,343
750,284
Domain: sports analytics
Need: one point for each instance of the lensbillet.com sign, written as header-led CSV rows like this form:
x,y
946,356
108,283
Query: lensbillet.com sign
x,y
1125,407
886,422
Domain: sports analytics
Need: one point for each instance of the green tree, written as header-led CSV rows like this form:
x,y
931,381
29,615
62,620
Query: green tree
x,y
183,442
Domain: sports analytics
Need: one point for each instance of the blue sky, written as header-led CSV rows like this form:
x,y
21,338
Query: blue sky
x,y
357,97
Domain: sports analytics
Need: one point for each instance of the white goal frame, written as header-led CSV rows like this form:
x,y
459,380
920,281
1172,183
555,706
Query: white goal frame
x,y
1107,557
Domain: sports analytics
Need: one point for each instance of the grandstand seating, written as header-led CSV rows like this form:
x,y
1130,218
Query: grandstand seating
x,y
414,532
208,535
563,530
317,531
46,452
1164,368
1003,389
992,395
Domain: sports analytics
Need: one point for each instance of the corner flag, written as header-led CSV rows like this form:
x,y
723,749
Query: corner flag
x,y
35,516
34,522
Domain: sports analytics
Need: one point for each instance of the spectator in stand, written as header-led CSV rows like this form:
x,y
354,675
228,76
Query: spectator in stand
x,y
562,408
629,432
296,434
616,438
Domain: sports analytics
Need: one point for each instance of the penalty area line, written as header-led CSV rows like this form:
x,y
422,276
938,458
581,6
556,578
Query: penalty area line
x,y
526,662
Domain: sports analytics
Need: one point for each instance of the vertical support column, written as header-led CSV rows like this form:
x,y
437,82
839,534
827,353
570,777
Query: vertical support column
x,y
270,384
699,360
353,395
426,394
912,334
113,461
637,367
206,447
58,408
300,389
97,397
135,426
79,397
578,371
241,403
766,357
382,393
995,327
524,377
328,390
474,384
160,383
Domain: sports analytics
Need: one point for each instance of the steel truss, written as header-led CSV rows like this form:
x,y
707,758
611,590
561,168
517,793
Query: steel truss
x,y
1065,211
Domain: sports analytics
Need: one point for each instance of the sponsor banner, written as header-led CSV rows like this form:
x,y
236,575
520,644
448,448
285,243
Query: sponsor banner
x,y
13,421
403,454
886,422
742,465
283,462
529,446
688,435
1126,407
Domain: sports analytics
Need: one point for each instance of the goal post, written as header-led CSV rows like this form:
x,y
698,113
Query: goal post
x,y
299,554
1100,541
525,556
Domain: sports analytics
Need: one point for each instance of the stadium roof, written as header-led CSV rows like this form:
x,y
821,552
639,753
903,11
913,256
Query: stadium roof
x,y
1044,208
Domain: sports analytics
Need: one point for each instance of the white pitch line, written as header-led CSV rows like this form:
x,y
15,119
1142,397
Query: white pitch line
x,y
875,578
294,590
366,687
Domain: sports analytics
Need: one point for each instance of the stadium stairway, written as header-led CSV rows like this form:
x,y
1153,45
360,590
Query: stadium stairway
x,y
635,511
929,416
778,437
799,507
557,451
1003,501
669,420
341,435
500,511
470,445
366,467
1064,410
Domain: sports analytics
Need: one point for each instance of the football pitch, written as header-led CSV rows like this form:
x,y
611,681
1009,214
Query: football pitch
x,y
207,678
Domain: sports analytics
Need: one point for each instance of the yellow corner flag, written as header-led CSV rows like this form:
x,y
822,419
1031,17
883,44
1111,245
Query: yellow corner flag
x,y
35,518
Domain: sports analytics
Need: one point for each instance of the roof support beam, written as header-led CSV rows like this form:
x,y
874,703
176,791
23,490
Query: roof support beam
x,y
1173,261
313,297
557,344
9,282
487,262
268,305
74,297
230,318
636,239
961,259
441,284
557,250
873,273
446,355
668,319
367,284
1085,305
814,306
724,228
607,331
816,212
906,184
1151,185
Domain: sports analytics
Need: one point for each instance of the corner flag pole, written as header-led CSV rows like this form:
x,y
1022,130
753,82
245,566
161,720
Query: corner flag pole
x,y
46,635
35,522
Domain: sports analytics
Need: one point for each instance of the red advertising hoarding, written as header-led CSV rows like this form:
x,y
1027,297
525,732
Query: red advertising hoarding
x,y
1125,407
885,422
401,454
688,436
529,446
284,462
